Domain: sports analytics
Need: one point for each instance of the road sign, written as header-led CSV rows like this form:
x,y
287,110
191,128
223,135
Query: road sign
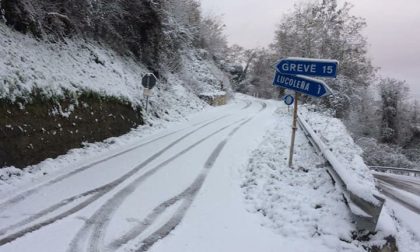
x,y
288,99
291,73
149,81
308,67
302,84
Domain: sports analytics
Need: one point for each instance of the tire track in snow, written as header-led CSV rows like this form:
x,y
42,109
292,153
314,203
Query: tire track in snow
x,y
100,191
22,196
248,104
96,225
387,190
408,186
263,106
50,209
188,199
148,221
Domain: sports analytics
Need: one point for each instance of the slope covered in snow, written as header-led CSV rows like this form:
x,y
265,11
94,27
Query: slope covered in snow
x,y
61,72
302,204
27,63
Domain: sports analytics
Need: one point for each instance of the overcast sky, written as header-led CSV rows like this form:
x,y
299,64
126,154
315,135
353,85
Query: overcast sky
x,y
393,30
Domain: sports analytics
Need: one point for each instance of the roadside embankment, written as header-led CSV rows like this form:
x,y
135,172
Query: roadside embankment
x,y
46,127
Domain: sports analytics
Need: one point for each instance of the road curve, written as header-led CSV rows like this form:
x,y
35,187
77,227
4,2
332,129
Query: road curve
x,y
110,189
394,187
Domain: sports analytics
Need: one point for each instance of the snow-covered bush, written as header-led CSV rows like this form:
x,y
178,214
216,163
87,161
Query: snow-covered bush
x,y
379,154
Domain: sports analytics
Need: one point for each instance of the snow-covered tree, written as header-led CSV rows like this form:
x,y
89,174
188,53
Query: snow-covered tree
x,y
212,37
380,154
415,118
326,30
395,123
184,16
364,118
258,72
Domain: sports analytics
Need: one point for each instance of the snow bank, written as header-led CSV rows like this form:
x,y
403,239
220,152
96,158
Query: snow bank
x,y
352,169
359,178
301,204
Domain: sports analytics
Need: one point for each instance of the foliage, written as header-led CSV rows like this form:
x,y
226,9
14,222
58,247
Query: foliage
x,y
327,30
259,74
212,36
395,124
379,154
155,32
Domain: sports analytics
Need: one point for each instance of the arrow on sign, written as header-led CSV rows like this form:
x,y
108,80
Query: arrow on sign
x,y
308,67
302,84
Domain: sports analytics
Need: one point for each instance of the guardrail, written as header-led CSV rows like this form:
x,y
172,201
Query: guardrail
x,y
396,170
364,213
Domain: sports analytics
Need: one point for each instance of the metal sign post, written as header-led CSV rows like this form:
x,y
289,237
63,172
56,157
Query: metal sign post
x,y
148,81
294,128
147,92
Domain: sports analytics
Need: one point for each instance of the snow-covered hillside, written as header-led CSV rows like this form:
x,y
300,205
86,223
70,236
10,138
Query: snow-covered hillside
x,y
27,63
59,73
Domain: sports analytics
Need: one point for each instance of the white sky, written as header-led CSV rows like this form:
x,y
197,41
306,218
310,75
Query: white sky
x,y
393,30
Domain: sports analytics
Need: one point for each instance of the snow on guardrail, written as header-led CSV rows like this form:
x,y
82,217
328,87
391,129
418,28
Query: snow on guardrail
x,y
364,205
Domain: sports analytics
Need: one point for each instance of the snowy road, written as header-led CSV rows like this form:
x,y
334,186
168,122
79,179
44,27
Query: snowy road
x,y
218,181
403,199
403,189
132,198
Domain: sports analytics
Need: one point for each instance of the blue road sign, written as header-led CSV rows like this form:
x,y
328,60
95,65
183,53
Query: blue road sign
x,y
308,67
288,99
302,84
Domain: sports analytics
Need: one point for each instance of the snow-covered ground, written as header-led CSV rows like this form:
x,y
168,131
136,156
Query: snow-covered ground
x,y
301,204
215,181
27,63
403,203
196,179
127,188
400,222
